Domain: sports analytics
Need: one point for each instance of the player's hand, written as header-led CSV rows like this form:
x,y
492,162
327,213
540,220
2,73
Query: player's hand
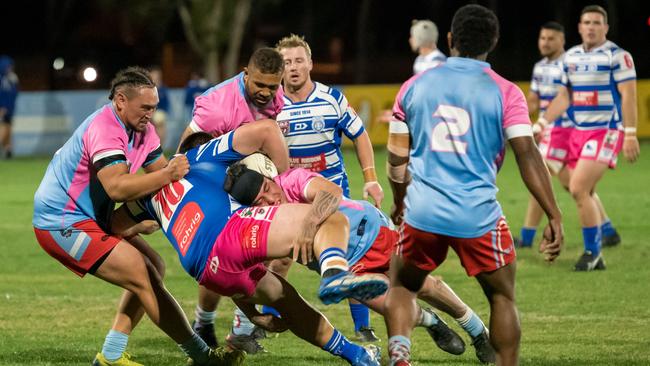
x,y
397,214
553,240
303,248
375,191
631,148
178,167
270,323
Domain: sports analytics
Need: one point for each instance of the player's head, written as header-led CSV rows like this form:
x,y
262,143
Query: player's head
x,y
251,188
156,74
474,32
263,75
593,26
194,140
296,54
135,97
424,33
6,64
551,39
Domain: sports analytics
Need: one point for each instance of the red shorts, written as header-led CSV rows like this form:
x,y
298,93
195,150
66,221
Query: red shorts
x,y
601,145
486,253
377,258
236,263
554,146
78,247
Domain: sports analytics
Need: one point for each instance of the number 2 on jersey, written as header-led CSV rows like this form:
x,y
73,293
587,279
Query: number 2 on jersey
x,y
453,123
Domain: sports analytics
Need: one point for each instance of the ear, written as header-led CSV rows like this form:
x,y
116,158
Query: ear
x,y
120,100
450,42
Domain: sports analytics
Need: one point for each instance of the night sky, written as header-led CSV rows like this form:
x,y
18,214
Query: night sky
x,y
109,37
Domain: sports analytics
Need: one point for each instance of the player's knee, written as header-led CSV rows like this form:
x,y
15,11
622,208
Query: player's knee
x,y
338,220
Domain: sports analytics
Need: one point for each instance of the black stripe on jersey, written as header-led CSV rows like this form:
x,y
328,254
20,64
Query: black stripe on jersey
x,y
137,211
109,160
153,156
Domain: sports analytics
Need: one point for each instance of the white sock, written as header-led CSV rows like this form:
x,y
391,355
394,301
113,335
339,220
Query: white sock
x,y
241,325
204,317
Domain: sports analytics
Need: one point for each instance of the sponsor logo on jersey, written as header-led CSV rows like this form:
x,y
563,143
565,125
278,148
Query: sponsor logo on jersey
x,y
186,225
585,98
250,237
314,163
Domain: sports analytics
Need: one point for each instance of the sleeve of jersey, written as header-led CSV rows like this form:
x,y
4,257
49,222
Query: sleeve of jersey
x,y
623,67
217,150
349,122
399,107
106,144
516,122
211,114
155,148
534,87
294,183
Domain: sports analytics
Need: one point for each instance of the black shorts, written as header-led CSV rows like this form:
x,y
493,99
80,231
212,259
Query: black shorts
x,y
7,118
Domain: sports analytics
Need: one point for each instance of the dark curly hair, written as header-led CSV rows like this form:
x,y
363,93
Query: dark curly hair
x,y
474,30
267,61
128,79
194,140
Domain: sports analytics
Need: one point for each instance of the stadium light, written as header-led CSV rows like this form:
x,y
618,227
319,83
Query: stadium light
x,y
58,63
90,74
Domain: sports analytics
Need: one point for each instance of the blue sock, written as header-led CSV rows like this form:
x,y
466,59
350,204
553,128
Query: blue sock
x,y
360,316
340,346
591,238
471,323
196,349
270,310
527,236
114,345
607,228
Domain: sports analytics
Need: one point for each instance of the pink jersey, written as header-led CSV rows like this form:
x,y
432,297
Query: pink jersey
x,y
294,183
226,106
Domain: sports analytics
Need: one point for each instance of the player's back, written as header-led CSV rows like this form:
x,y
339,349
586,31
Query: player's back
x,y
455,118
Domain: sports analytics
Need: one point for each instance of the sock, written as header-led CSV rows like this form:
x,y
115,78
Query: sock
x,y
527,236
114,345
340,346
428,318
196,349
399,348
471,323
607,228
241,325
360,316
591,238
332,259
270,310
204,317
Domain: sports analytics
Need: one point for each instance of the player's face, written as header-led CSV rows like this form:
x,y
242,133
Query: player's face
x,y
270,194
260,87
592,29
137,111
297,66
550,42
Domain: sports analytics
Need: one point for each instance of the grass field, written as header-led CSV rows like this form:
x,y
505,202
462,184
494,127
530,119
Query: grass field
x,y
48,316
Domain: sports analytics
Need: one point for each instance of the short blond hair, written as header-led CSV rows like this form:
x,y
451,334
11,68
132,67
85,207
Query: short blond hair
x,y
293,41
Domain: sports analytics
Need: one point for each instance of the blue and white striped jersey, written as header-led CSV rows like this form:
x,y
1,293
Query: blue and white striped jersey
x,y
592,78
547,77
315,129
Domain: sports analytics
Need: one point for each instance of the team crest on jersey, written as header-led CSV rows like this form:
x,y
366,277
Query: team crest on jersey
x,y
257,213
318,124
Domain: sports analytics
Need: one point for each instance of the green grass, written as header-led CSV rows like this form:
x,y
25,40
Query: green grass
x,y
48,316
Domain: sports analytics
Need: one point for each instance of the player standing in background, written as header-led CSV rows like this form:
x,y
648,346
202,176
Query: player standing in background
x,y
74,203
249,96
554,145
8,95
159,118
317,117
602,81
450,139
423,41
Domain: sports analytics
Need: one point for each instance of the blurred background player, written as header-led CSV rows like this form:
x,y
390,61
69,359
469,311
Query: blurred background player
x,y
423,41
601,80
8,95
196,85
450,139
554,144
317,117
159,119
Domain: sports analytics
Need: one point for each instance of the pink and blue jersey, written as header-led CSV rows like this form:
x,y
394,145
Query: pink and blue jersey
x,y
316,127
226,106
365,219
193,211
459,116
592,78
547,77
70,191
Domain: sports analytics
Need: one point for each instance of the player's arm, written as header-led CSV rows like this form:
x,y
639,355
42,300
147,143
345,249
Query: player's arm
x,y
558,105
630,116
264,136
320,184
533,102
122,186
398,157
366,157
188,131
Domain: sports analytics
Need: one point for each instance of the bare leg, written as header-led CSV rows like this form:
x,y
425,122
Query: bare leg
x,y
583,182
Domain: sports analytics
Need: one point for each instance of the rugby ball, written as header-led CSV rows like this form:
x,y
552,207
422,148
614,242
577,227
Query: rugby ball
x,y
261,164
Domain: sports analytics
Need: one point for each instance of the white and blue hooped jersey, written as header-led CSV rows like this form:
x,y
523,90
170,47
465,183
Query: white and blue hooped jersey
x,y
547,77
315,129
592,78
458,134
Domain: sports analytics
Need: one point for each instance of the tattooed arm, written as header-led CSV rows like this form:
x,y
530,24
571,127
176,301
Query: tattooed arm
x,y
324,205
